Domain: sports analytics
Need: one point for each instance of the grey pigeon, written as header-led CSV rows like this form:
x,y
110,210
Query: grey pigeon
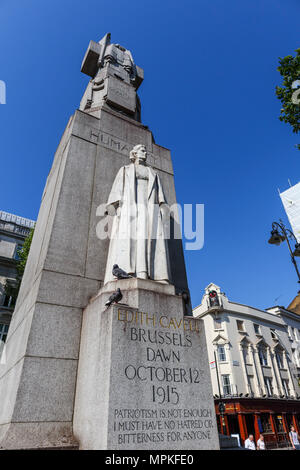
x,y
119,273
115,297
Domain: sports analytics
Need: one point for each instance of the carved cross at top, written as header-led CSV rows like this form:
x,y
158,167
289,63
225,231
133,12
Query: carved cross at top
x,y
103,52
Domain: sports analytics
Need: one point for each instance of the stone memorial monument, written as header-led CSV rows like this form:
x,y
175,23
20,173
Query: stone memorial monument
x,y
100,356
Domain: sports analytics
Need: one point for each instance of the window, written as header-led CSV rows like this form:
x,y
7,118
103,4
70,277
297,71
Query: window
x,y
9,293
295,356
221,353
289,330
269,387
273,334
6,300
296,334
279,423
262,353
251,384
285,384
217,323
240,325
265,422
256,328
279,359
3,332
246,354
226,384
213,299
17,249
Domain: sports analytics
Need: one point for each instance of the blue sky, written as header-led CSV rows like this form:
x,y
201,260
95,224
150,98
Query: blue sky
x,y
208,95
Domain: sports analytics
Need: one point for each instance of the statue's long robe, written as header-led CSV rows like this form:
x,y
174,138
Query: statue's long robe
x,y
130,223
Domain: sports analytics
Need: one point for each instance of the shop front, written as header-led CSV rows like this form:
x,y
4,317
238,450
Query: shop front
x,y
271,418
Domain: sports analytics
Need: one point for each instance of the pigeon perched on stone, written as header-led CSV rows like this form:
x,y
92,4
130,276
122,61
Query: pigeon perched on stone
x,y
119,273
115,297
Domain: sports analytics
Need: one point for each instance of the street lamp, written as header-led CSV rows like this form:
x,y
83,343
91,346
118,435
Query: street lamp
x,y
280,234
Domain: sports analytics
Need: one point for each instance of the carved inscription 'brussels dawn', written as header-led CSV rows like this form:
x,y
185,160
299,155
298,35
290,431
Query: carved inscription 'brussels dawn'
x,y
166,372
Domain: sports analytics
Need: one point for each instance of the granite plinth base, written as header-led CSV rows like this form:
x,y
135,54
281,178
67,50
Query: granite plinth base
x,y
143,380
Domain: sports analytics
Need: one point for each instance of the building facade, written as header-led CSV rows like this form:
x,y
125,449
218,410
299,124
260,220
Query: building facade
x,y
254,365
13,231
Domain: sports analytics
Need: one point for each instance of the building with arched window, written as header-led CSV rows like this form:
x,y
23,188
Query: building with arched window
x,y
254,365
13,231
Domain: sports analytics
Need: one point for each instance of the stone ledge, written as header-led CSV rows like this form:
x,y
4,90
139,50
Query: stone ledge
x,y
136,283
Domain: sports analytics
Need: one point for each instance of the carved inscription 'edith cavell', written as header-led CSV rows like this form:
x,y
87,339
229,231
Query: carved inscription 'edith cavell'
x,y
163,367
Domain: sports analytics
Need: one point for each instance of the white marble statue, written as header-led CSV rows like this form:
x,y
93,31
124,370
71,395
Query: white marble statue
x,y
137,242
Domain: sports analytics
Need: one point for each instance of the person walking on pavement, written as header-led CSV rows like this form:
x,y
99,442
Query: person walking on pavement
x,y
294,438
249,443
260,445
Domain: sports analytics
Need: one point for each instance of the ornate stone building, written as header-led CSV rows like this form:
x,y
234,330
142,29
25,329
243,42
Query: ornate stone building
x,y
13,231
255,366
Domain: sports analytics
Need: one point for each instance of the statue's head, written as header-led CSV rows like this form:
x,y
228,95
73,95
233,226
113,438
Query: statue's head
x,y
138,153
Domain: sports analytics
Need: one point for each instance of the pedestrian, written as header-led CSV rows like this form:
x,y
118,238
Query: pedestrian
x,y
249,443
294,438
260,445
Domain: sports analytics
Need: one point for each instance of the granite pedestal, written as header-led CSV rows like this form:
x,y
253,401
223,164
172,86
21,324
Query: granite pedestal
x,y
143,380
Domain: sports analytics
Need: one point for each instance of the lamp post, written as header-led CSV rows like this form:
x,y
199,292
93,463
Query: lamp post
x,y
280,234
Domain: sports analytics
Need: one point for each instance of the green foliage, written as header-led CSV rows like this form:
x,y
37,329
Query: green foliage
x,y
23,254
289,69
11,288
